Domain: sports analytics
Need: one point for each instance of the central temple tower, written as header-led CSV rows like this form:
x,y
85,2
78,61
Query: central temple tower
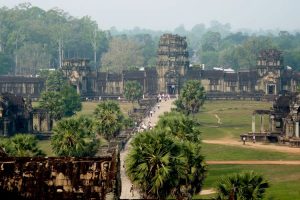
x,y
172,63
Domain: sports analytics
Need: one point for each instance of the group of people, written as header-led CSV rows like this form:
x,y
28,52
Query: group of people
x,y
161,97
244,139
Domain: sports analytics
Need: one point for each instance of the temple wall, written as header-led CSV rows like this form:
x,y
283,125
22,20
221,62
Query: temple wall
x,y
60,177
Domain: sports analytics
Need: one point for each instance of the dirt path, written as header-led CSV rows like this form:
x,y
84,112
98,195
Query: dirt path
x,y
218,118
164,106
257,145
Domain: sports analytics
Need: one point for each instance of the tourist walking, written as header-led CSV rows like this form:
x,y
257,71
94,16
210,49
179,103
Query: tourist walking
x,y
131,190
244,140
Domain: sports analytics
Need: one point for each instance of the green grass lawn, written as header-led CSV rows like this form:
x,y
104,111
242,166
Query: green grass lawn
x,y
283,179
224,152
45,145
235,118
89,107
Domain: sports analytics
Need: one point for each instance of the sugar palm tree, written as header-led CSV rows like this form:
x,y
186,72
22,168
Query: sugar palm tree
x,y
109,119
71,138
191,98
194,171
242,186
21,145
152,163
180,126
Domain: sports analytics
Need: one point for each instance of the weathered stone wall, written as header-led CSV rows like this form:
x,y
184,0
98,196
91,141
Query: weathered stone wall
x,y
60,177
268,77
25,86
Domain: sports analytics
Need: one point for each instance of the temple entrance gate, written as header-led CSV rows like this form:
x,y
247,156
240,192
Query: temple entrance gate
x,y
172,82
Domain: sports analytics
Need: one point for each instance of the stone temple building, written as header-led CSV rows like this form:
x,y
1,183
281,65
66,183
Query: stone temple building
x,y
18,116
279,124
265,80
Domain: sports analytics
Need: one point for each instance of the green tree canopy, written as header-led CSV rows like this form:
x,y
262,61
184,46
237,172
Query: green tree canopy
x,y
74,137
21,145
52,101
180,126
60,99
71,100
6,63
191,98
54,80
133,91
109,119
245,185
123,53
162,165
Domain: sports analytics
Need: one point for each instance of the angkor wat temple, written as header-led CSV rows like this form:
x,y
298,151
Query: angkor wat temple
x,y
267,79
18,116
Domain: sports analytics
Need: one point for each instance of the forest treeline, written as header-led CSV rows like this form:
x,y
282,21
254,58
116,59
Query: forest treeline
x,y
32,39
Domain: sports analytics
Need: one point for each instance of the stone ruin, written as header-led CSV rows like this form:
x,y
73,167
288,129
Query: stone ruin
x,y
18,116
42,178
283,121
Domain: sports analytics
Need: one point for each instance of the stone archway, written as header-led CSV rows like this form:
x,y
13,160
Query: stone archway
x,y
271,83
172,82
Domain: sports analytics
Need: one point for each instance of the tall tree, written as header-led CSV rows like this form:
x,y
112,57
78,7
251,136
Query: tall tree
x,y
163,165
191,98
32,57
54,80
109,119
59,98
133,91
180,126
246,185
71,137
123,53
154,164
71,100
211,41
52,101
6,63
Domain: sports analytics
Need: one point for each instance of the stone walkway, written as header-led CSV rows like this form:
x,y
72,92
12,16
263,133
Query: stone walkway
x,y
165,106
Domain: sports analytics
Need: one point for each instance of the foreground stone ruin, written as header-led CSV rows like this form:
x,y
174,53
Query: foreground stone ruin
x,y
60,177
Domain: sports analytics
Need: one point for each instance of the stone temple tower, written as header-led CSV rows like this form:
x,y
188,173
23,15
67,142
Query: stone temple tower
x,y
269,68
172,63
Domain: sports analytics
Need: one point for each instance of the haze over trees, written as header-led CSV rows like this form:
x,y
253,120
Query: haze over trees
x,y
32,39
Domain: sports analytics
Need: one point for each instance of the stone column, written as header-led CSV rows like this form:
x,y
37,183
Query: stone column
x,y
30,123
253,123
297,129
261,123
39,122
48,121
5,127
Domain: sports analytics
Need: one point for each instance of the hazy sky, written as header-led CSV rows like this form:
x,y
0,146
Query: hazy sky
x,y
168,14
